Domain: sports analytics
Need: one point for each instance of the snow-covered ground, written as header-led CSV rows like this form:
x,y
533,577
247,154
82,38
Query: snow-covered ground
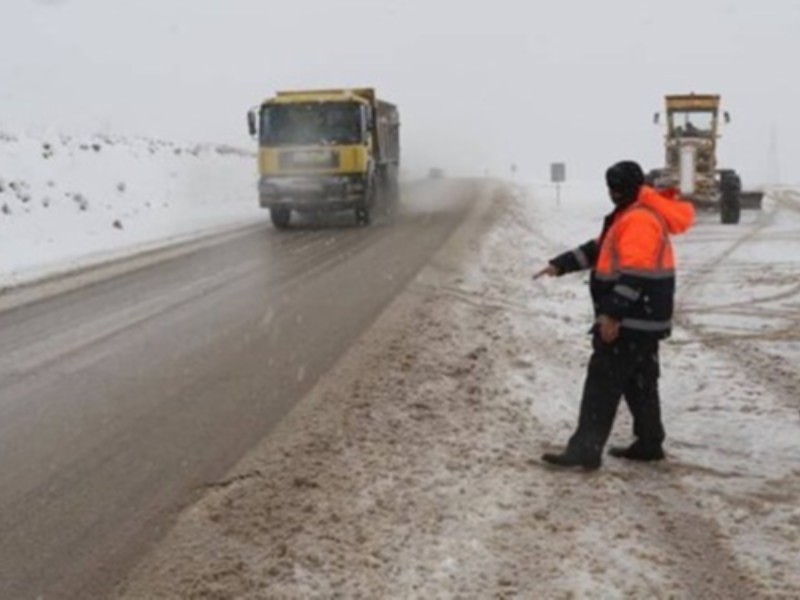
x,y
412,470
67,202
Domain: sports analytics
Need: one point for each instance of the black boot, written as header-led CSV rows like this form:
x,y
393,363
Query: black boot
x,y
637,451
572,459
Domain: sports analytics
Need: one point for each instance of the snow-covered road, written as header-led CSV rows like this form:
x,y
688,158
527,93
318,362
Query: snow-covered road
x,y
412,470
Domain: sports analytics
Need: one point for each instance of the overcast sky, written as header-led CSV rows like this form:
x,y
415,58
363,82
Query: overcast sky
x,y
480,85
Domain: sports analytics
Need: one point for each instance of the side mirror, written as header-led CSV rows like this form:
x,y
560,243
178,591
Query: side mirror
x,y
367,122
251,122
369,118
656,118
727,116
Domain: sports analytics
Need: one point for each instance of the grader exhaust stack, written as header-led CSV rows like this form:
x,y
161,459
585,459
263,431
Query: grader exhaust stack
x,y
687,173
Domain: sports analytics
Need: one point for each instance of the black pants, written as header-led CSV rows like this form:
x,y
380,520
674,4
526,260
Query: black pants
x,y
629,368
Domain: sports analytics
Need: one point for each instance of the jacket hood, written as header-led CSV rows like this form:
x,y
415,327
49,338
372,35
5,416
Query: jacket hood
x,y
677,213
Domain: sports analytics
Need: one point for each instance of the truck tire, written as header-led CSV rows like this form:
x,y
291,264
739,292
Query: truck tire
x,y
364,206
280,217
730,197
728,178
730,210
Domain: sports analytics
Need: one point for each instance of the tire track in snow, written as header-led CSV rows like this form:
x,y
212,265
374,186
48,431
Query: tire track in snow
x,y
741,347
744,517
700,562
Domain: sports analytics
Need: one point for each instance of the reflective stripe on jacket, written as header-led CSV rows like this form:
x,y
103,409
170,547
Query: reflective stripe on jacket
x,y
633,263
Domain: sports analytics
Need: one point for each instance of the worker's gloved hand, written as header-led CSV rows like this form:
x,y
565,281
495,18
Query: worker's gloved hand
x,y
549,271
609,329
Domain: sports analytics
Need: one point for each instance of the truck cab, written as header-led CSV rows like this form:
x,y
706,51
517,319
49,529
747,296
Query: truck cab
x,y
325,151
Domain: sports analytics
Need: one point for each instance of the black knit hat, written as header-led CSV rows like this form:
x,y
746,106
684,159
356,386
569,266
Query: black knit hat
x,y
624,179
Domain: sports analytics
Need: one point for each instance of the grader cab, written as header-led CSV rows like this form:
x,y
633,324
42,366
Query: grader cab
x,y
693,123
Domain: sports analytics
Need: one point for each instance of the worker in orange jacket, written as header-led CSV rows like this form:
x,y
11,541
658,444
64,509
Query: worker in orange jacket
x,y
633,289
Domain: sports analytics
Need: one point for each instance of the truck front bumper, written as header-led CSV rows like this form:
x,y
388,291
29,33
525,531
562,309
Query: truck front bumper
x,y
318,193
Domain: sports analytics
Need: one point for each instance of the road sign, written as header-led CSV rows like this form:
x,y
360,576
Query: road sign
x,y
558,175
558,172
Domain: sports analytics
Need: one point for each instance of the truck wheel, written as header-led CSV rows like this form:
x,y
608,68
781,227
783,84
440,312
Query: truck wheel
x,y
364,207
280,217
729,181
730,208
730,201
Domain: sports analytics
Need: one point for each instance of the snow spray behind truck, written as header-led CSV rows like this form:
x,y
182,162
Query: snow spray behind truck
x,y
326,150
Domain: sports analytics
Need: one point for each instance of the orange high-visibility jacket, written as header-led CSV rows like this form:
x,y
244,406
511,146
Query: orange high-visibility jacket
x,y
633,263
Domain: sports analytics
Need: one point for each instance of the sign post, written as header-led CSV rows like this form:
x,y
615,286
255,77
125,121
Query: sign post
x,y
558,175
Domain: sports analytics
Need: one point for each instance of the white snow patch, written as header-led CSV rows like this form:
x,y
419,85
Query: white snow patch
x,y
67,202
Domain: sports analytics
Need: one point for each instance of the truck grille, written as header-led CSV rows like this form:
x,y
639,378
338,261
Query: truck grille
x,y
309,159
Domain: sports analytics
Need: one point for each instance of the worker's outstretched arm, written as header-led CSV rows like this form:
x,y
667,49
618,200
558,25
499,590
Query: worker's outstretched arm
x,y
581,258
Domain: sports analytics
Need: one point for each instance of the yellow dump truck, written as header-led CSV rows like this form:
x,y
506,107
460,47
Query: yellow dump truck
x,y
325,151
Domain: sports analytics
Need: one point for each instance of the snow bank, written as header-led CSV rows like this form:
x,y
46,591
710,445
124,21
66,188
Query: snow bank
x,y
66,202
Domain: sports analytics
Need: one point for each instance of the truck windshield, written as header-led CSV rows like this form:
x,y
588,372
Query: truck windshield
x,y
311,123
691,123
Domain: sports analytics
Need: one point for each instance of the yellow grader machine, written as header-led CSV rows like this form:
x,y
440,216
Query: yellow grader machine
x,y
693,122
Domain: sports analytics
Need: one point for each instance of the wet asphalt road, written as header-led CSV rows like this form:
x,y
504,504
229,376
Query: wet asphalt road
x,y
122,401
